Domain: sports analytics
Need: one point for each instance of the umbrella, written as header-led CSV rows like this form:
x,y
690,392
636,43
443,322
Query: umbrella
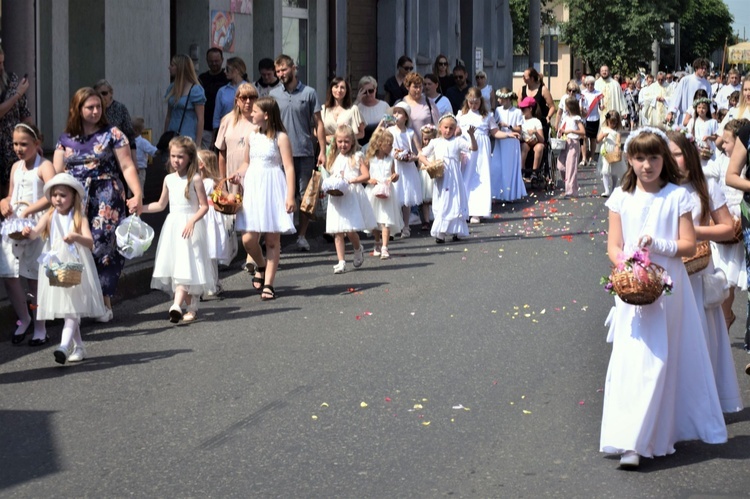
x,y
739,54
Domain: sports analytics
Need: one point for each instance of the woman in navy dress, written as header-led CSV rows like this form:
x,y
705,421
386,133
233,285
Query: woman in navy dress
x,y
95,153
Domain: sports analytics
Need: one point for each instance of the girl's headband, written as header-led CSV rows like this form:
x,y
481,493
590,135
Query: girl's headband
x,y
27,127
646,129
447,116
702,100
429,127
504,95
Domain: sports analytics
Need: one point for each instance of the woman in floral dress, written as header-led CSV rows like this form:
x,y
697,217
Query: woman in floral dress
x,y
95,153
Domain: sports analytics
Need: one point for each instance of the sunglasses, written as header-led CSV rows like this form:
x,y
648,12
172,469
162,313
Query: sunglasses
x,y
443,63
481,77
104,93
370,91
408,68
244,98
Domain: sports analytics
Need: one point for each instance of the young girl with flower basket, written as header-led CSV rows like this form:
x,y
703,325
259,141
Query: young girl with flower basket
x,y
704,128
660,385
66,259
712,222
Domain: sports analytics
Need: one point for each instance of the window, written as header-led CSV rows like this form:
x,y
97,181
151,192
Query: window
x,y
294,20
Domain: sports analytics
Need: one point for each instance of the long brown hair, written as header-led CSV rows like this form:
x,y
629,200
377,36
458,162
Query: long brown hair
x,y
274,125
694,171
648,144
346,102
74,127
184,76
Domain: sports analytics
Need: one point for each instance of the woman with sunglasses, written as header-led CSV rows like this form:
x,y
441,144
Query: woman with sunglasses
x,y
394,86
441,69
571,90
370,107
487,94
226,96
116,112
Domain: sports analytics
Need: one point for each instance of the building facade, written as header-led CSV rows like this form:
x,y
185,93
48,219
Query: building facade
x,y
66,44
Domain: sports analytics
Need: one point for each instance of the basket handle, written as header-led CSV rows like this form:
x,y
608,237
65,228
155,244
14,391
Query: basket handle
x,y
225,180
18,205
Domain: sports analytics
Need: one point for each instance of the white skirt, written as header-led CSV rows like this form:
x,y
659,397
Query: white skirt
x,y
427,184
350,212
387,211
264,201
19,258
408,189
731,259
218,232
180,261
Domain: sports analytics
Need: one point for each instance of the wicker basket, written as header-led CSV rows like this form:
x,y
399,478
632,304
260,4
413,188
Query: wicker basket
x,y
334,192
635,291
705,152
436,169
700,260
614,156
737,233
18,236
64,275
224,201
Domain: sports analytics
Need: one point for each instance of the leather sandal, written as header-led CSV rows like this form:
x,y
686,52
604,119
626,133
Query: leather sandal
x,y
268,293
259,280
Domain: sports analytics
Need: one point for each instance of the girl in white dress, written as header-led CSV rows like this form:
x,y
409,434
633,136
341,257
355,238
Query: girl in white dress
x,y
506,175
408,190
429,132
729,257
23,206
182,264
69,239
709,204
449,200
382,172
218,225
607,137
660,386
704,127
477,170
268,205
350,212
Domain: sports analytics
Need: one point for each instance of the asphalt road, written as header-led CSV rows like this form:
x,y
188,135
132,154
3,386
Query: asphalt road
x,y
473,369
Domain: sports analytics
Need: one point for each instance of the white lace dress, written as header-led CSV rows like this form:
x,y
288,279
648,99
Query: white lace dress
x,y
387,211
264,201
352,211
180,261
82,300
18,258
476,174
449,195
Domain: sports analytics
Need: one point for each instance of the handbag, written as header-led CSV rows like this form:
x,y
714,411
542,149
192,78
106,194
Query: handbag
x,y
615,155
312,192
166,137
715,288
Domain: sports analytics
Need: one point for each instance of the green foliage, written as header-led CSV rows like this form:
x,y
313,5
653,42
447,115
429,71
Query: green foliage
x,y
618,33
519,13
705,25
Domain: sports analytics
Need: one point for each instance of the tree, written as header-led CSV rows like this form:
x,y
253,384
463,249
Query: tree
x,y
704,27
618,33
519,14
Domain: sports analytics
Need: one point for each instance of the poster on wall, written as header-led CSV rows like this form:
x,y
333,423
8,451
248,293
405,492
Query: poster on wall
x,y
241,6
222,30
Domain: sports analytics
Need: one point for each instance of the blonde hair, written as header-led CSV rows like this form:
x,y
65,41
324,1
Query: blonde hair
x,y
210,164
184,76
243,89
333,153
379,137
77,211
475,93
186,143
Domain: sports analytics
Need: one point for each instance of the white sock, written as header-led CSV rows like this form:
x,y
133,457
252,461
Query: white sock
x,y
70,332
607,181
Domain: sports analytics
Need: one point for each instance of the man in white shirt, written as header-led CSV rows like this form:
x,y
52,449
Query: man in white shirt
x,y
593,102
684,94
733,85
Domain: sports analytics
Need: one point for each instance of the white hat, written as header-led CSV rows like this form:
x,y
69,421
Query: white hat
x,y
63,179
403,105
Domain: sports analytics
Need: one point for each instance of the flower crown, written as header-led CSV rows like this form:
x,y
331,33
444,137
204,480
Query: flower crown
x,y
504,95
646,129
429,127
702,100
683,130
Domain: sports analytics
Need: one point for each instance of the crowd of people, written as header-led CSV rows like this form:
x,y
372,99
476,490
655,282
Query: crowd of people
x,y
674,174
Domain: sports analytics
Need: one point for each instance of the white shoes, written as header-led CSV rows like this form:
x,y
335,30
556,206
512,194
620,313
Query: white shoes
x,y
79,353
384,254
630,459
474,220
302,244
376,250
359,256
405,233
108,316
340,267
